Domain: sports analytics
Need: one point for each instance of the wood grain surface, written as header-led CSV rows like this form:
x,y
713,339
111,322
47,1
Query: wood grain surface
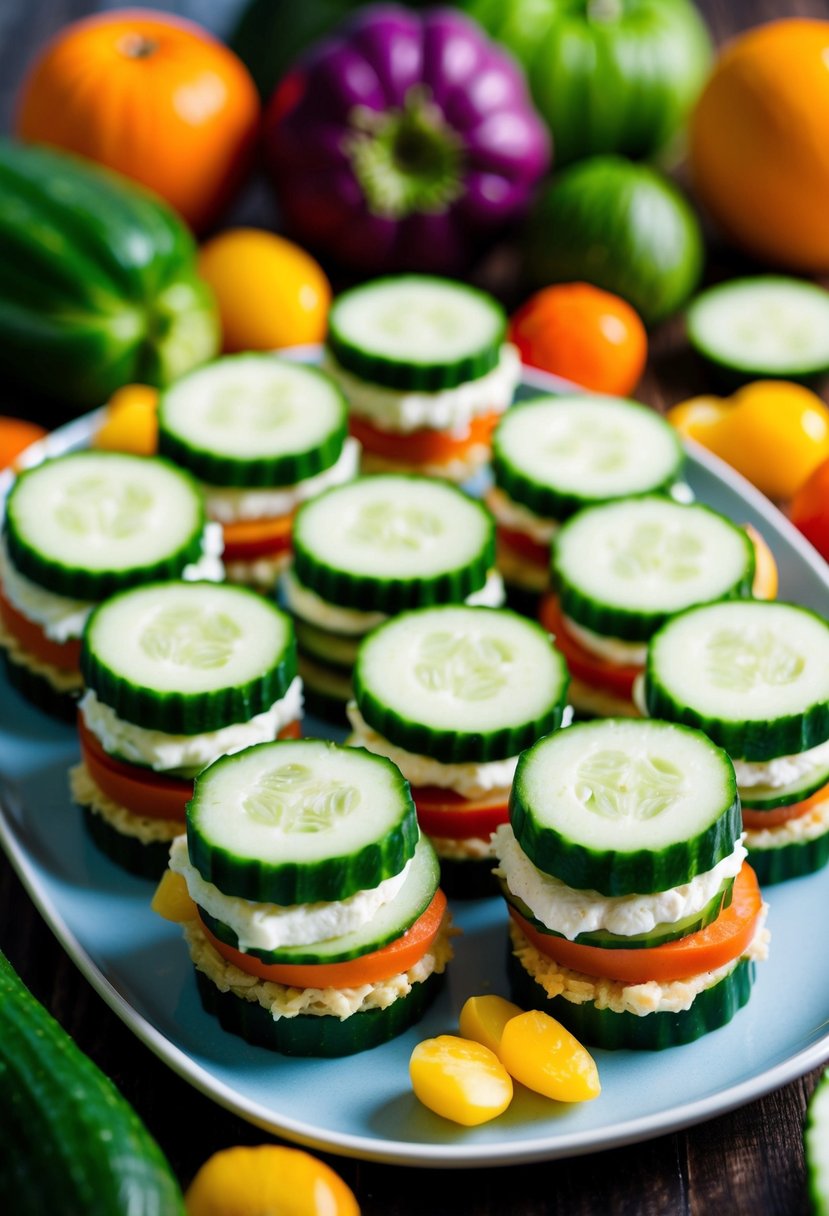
x,y
749,1161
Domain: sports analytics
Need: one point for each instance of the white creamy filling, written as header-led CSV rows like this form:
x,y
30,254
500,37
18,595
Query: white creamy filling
x,y
261,574
469,780
458,469
602,703
615,650
515,515
62,618
782,770
163,752
262,926
354,622
570,912
450,409
230,505
471,848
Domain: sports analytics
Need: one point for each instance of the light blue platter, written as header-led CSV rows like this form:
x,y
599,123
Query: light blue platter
x,y
363,1105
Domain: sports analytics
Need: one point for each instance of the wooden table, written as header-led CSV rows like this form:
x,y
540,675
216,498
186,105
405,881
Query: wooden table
x,y
748,1161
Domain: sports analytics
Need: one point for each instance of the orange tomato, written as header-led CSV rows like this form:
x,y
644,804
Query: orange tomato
x,y
584,334
268,1178
810,508
270,292
758,147
425,446
66,656
151,96
252,538
582,664
444,813
757,820
15,436
140,790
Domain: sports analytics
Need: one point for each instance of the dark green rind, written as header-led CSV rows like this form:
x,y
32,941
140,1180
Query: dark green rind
x,y
788,795
324,1036
415,375
413,900
657,936
292,882
181,713
79,583
634,625
369,592
71,1142
218,468
37,690
711,1009
326,706
613,871
546,499
472,879
729,373
457,746
522,600
794,860
333,649
758,740
142,860
814,1139
322,696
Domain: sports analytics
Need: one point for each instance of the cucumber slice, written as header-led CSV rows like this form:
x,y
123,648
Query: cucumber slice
x,y
36,688
769,797
138,857
389,923
816,1146
321,1036
754,675
416,332
625,807
253,421
301,821
461,684
555,455
712,1008
622,568
91,523
769,326
773,864
336,649
186,658
393,541
658,935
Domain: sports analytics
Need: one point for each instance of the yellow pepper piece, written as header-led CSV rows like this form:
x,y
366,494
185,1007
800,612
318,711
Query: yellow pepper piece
x,y
172,899
268,1180
545,1057
695,418
483,1019
766,579
130,422
460,1079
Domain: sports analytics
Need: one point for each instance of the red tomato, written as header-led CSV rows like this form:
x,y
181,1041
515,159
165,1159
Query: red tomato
x,y
809,510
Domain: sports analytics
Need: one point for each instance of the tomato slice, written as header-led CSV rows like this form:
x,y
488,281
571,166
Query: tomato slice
x,y
64,655
524,545
757,820
142,790
444,813
248,539
617,678
424,446
719,943
397,956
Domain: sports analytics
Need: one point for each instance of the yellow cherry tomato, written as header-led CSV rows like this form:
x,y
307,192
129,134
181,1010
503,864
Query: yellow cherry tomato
x,y
460,1079
483,1019
695,418
268,1180
130,421
540,1053
270,292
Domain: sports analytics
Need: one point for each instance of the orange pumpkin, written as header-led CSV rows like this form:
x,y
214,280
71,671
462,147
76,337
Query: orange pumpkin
x,y
759,143
153,97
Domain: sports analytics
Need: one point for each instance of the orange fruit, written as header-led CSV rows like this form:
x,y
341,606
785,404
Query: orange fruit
x,y
759,147
15,436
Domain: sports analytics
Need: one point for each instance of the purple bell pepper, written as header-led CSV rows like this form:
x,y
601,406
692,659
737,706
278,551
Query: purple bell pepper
x,y
404,141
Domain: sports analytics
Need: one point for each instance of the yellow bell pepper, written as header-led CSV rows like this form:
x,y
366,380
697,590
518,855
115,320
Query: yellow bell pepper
x,y
130,421
460,1079
537,1051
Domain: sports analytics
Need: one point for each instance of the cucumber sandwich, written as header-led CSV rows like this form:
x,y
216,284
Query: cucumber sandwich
x,y
263,435
619,571
372,548
177,674
452,694
309,900
755,677
634,917
551,456
427,371
77,529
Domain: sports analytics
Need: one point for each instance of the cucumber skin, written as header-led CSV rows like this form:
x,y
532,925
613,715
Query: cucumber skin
x,y
711,1009
71,1142
324,1036
788,799
634,625
795,860
37,690
815,1130
471,879
141,860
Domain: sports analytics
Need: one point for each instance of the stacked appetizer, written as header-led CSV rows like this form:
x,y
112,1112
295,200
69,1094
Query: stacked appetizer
x,y
427,371
263,435
374,547
634,919
619,571
312,908
177,674
452,695
77,529
755,677
551,456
